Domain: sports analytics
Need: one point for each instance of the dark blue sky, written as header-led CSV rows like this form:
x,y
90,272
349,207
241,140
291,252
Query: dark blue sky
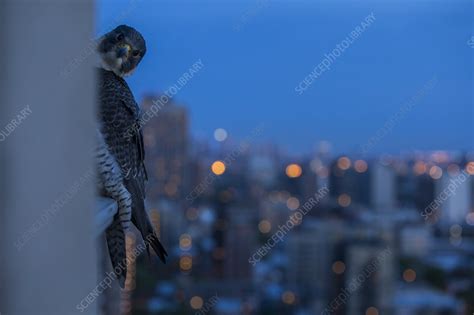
x,y
249,75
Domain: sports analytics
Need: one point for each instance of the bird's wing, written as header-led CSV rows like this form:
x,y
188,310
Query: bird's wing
x,y
119,114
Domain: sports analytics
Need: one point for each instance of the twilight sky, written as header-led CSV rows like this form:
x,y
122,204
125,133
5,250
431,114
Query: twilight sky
x,y
250,74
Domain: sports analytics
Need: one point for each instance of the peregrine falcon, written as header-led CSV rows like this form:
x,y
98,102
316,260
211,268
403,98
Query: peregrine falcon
x,y
121,50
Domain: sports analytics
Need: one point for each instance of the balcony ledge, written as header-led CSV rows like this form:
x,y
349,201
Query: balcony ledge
x,y
106,208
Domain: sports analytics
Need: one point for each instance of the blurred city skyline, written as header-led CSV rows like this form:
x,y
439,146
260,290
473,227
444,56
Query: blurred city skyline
x,y
256,52
269,179
256,232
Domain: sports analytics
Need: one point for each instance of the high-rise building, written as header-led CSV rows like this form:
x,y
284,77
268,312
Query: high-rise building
x,y
383,192
424,191
350,179
369,278
309,181
240,242
311,249
166,141
371,186
454,195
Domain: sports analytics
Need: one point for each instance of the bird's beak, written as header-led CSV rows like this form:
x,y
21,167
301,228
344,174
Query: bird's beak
x,y
123,50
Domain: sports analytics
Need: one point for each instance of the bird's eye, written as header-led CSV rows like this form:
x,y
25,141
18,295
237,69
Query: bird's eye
x,y
120,36
136,53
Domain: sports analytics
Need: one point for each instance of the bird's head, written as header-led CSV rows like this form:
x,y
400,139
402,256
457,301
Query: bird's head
x,y
121,50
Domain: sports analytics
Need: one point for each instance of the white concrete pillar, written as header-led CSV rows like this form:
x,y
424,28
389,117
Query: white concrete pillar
x,y
48,259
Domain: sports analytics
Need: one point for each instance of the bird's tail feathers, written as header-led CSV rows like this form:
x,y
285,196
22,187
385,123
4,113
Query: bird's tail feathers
x,y
118,254
152,240
142,222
